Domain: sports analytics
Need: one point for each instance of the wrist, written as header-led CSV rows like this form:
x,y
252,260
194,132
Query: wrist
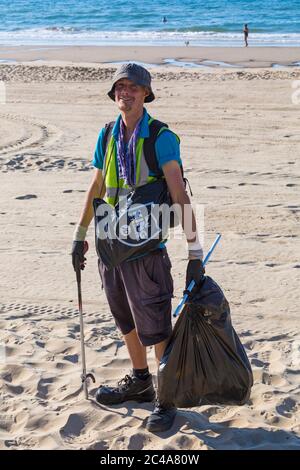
x,y
195,250
79,233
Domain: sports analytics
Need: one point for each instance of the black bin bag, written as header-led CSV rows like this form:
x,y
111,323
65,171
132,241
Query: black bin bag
x,y
204,361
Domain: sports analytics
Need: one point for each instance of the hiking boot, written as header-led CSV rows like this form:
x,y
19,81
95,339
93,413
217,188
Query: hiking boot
x,y
129,388
161,418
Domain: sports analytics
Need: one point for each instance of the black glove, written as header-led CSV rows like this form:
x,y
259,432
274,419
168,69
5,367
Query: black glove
x,y
78,254
194,272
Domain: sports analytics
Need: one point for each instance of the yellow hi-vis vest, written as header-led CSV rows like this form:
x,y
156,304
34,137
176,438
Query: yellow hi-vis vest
x,y
116,187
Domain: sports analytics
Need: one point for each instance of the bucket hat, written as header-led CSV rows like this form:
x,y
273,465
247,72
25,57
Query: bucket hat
x,y
137,74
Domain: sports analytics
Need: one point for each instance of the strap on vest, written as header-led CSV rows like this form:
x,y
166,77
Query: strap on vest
x,y
149,147
108,129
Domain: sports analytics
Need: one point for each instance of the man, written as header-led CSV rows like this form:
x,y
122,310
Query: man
x,y
139,290
246,32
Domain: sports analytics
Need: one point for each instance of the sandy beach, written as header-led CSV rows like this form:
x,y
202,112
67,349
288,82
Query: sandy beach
x,y
240,141
207,56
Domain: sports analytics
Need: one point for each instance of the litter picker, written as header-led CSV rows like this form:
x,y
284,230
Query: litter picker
x,y
84,377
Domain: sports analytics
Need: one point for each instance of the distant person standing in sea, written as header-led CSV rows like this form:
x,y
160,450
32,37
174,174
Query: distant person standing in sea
x,y
164,20
246,32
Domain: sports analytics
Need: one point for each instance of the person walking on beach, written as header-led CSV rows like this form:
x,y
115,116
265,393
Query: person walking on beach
x,y
246,32
139,290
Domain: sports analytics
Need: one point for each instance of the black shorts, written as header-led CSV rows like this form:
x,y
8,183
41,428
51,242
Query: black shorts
x,y
139,294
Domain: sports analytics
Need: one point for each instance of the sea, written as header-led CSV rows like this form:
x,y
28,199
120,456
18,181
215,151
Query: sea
x,y
154,22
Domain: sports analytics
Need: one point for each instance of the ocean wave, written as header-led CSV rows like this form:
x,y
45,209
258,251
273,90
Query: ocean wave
x,y
74,36
63,29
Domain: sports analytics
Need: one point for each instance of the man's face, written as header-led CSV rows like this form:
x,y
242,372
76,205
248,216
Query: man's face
x,y
129,96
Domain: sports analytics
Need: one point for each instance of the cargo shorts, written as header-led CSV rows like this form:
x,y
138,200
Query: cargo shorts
x,y
139,294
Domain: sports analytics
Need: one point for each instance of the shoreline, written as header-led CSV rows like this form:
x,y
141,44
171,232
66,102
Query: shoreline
x,y
196,57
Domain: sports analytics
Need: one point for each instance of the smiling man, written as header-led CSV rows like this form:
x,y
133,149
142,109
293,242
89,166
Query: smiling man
x,y
139,290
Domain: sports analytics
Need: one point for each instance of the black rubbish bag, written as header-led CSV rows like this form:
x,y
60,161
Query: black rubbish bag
x,y
204,361
135,226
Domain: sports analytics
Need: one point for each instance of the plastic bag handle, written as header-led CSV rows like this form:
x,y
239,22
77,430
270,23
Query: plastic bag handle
x,y
192,283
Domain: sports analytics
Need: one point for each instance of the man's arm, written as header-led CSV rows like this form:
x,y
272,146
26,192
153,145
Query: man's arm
x,y
173,175
94,191
195,269
88,211
168,157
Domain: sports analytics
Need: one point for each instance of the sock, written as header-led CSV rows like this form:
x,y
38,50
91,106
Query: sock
x,y
141,374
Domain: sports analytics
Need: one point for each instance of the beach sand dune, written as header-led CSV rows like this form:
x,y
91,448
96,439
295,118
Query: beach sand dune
x,y
240,144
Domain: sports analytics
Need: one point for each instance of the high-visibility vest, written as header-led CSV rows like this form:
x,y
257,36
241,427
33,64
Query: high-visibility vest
x,y
116,186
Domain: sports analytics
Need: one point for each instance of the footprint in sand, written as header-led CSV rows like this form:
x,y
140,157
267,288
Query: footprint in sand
x,y
138,441
15,389
271,418
42,387
67,191
259,299
217,187
72,358
100,445
257,363
59,163
73,426
287,406
27,196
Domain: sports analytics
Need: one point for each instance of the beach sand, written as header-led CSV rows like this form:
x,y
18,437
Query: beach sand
x,y
239,56
240,142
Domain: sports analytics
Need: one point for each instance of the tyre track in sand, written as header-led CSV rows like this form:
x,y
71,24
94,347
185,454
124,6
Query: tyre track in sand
x,y
30,135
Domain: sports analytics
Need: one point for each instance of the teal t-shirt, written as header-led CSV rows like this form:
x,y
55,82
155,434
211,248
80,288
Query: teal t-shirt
x,y
166,145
